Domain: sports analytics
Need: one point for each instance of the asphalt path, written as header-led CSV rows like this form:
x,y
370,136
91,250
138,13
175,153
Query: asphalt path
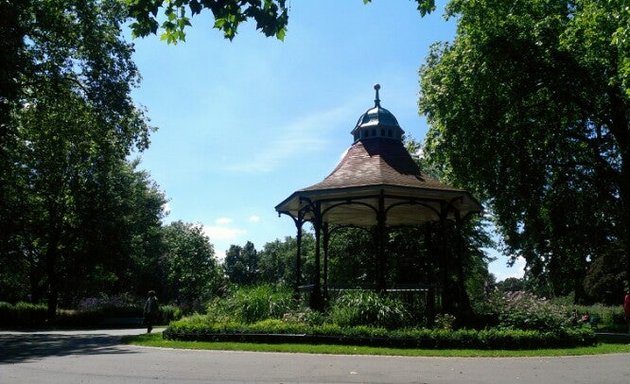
x,y
98,357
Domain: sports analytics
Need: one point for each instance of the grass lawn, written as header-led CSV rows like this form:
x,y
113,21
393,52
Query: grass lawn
x,y
155,340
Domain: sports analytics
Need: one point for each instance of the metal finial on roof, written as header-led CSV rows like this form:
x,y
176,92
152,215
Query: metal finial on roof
x,y
377,100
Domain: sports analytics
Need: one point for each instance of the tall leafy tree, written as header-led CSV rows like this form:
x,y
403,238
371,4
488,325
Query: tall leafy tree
x,y
277,261
120,230
189,263
68,121
529,108
241,264
352,260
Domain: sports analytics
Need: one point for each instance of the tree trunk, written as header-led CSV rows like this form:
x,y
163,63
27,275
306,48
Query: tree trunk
x,y
624,189
620,128
53,281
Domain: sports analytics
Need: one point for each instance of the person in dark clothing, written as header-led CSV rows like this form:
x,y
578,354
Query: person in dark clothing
x,y
151,311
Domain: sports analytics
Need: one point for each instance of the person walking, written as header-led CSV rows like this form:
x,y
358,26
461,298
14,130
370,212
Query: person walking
x,y
151,311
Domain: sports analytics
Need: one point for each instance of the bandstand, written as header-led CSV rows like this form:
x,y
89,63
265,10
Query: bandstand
x,y
377,185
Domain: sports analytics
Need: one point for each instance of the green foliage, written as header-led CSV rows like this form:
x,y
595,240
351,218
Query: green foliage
x,y
91,315
189,264
511,284
241,264
202,328
252,304
70,202
276,260
522,310
528,108
351,258
22,315
169,313
444,321
356,308
610,318
271,16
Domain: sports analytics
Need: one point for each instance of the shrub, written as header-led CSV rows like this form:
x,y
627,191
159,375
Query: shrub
x,y
524,311
169,313
356,308
251,304
30,314
5,313
201,328
444,321
112,306
22,314
610,317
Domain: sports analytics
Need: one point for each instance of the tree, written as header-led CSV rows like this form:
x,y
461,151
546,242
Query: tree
x,y
189,264
528,108
121,230
271,16
67,123
277,263
511,284
241,264
83,208
352,260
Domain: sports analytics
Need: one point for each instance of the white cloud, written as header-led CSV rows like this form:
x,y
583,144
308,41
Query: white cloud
x,y
254,219
223,221
302,135
218,232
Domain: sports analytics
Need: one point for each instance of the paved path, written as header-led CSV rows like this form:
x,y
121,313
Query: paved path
x,y
98,357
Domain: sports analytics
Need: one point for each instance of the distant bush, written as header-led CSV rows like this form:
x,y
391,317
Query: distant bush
x,y
356,308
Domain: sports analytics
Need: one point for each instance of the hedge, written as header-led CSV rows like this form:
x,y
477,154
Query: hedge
x,y
270,331
26,315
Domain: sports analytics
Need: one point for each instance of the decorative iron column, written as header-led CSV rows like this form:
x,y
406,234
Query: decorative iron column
x,y
464,308
381,221
428,245
442,251
299,222
298,259
326,243
316,295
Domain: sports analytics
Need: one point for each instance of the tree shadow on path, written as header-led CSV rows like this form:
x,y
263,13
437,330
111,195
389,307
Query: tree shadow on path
x,y
17,348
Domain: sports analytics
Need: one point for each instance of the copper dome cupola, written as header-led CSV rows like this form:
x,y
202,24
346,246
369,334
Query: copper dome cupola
x,y
377,122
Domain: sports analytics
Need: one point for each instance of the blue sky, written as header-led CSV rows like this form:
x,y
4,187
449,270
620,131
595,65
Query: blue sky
x,y
243,124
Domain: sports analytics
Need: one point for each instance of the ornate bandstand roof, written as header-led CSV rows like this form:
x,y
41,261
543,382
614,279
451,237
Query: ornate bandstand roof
x,y
378,175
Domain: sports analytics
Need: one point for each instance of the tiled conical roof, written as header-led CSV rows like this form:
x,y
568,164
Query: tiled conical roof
x,y
377,173
374,162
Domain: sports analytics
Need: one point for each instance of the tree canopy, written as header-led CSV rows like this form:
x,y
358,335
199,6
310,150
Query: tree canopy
x,y
271,16
528,107
69,200
190,266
